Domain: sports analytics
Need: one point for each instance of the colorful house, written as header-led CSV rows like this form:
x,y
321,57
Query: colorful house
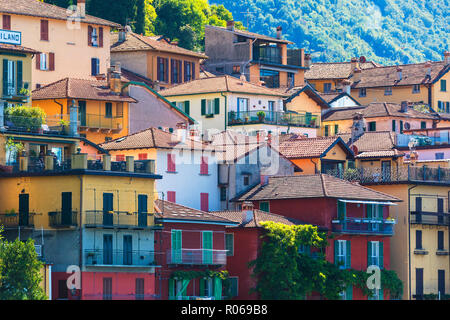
x,y
339,99
156,58
192,252
360,219
261,59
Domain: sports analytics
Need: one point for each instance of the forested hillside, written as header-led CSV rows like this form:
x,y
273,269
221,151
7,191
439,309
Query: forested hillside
x,y
386,31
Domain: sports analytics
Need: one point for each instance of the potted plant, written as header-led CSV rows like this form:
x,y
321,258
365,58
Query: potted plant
x,y
23,118
246,119
64,126
232,115
261,115
14,148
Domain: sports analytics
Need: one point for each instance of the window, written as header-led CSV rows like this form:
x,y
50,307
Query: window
x,y
139,288
441,282
142,156
443,85
242,106
6,22
204,165
401,126
342,253
388,91
223,194
246,180
326,131
236,70
210,106
171,163
419,283
375,253
120,157
175,66
41,61
372,126
270,78
95,36
44,30
423,124
234,286
362,92
171,196
189,69
264,206
327,87
447,107
229,243
440,244
107,288
416,88
336,129
108,110
439,155
291,79
419,239
441,106
220,69
341,210
95,66
204,202
394,124
162,65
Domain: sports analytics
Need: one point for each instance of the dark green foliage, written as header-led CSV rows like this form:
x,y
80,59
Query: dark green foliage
x,y
385,31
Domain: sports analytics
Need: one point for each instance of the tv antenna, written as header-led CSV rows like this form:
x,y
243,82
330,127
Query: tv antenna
x,y
248,14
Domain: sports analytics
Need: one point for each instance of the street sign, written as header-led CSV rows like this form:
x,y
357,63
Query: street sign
x,y
10,37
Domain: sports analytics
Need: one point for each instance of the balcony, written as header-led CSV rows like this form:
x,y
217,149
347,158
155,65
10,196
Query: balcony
x,y
364,226
63,219
100,123
15,220
197,257
50,125
443,137
107,258
14,93
430,218
267,54
118,220
306,119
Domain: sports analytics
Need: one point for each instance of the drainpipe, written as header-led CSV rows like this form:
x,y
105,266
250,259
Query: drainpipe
x,y
315,165
62,107
81,234
226,109
409,237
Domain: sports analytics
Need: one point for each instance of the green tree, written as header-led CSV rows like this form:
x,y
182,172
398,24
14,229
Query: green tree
x,y
20,269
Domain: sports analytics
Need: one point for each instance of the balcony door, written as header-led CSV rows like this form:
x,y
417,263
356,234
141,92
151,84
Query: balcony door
x,y
142,210
107,249
66,208
24,209
207,245
440,207
82,112
108,207
374,213
127,250
386,170
176,246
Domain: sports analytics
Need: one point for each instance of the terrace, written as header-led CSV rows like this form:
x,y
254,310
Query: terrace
x,y
196,256
306,119
119,219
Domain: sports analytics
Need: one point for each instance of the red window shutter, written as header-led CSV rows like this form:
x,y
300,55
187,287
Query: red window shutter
x,y
120,157
100,37
171,162
171,196
204,166
44,30
6,22
90,30
51,61
38,61
142,156
204,203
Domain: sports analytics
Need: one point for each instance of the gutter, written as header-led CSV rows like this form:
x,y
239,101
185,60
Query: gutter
x,y
226,109
62,107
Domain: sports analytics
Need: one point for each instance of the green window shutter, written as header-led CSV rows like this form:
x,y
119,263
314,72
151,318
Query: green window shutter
x,y
336,129
381,254
369,253
393,125
207,239
336,250
341,210
348,260
187,107
184,286
349,293
380,211
203,107
171,289
380,296
326,131
19,75
202,287
216,105
5,77
229,243
217,288
401,126
369,211
264,206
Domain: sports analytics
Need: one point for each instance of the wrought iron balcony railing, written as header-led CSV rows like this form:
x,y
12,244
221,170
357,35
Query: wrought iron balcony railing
x,y
364,226
308,120
430,218
63,219
12,91
100,122
115,219
132,258
197,256
17,219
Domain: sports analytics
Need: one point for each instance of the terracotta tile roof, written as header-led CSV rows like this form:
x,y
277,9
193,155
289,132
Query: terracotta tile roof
x,y
16,48
373,141
41,9
70,88
375,109
296,148
128,75
312,186
151,138
380,154
136,42
258,217
169,210
252,35
411,74
231,137
219,84
334,70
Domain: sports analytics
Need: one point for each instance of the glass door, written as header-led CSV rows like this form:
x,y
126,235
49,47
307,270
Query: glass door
x,y
24,210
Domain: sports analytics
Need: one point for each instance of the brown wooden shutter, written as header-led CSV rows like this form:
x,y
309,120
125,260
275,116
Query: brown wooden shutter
x,y
51,61
100,37
38,61
44,30
90,35
6,22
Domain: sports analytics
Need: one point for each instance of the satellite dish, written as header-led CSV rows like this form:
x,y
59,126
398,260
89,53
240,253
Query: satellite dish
x,y
362,59
407,126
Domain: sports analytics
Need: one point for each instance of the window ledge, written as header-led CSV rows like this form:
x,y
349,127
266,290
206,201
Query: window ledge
x,y
420,251
204,174
442,253
171,171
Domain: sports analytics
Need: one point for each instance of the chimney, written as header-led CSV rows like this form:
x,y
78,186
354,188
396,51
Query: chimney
x,y
230,25
248,209
358,127
356,74
81,7
347,86
264,180
354,63
308,60
114,81
428,67
447,58
175,43
181,135
404,106
279,32
399,73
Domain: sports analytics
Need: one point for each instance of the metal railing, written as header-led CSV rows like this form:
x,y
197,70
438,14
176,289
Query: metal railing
x,y
135,258
11,91
52,125
421,140
275,118
123,219
61,219
267,54
17,219
196,256
430,218
364,226
99,121
192,298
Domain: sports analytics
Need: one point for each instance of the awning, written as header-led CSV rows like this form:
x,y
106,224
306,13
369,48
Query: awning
x,y
369,202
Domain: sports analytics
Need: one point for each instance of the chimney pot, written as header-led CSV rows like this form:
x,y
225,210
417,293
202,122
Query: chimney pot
x,y
447,57
230,25
248,209
81,6
279,32
307,60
